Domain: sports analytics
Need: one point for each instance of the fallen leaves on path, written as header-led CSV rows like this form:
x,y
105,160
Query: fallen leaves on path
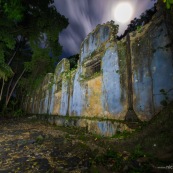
x,y
36,147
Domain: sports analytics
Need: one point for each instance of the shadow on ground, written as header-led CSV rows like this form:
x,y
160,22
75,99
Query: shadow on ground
x,y
30,145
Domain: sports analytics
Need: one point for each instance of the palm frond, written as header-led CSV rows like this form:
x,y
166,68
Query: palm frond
x,y
5,71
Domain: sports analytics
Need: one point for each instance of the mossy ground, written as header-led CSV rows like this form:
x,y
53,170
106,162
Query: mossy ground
x,y
29,145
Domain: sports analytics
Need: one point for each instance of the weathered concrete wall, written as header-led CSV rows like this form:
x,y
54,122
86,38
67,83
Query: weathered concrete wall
x,y
114,79
96,40
101,127
41,99
152,64
99,94
114,96
53,94
60,89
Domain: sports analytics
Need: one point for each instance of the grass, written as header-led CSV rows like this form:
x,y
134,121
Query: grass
x,y
122,135
145,149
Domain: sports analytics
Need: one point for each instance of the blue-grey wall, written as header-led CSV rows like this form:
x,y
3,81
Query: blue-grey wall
x,y
152,63
106,95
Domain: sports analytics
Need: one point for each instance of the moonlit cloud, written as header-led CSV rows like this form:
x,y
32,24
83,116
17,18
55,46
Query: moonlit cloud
x,y
85,15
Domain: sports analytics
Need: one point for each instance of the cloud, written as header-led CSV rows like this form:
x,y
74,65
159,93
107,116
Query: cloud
x,y
84,15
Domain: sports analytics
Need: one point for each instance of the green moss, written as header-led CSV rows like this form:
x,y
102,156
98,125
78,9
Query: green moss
x,y
142,53
95,75
122,55
110,157
68,73
98,52
122,135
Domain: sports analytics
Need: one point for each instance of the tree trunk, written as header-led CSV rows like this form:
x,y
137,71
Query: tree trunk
x,y
2,88
9,62
8,99
8,89
14,54
3,82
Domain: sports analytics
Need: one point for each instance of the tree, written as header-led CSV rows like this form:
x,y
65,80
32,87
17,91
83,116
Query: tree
x,y
73,61
27,22
5,73
136,23
168,3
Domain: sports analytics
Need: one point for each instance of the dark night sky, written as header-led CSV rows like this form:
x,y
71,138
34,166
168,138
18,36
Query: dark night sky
x,y
85,15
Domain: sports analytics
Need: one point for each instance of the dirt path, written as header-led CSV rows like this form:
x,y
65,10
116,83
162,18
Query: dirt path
x,y
32,146
35,147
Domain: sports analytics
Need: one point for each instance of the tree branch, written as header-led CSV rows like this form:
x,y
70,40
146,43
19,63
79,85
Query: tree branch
x,y
8,99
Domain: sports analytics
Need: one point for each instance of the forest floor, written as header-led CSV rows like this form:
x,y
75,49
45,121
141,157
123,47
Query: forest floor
x,y
30,145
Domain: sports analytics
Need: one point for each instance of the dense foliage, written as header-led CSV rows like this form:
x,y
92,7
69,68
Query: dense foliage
x,y
137,23
168,3
29,44
73,61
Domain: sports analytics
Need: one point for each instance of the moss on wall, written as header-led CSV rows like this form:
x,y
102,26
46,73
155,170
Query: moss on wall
x,y
106,93
122,54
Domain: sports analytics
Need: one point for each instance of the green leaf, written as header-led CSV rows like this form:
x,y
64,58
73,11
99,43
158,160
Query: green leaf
x,y
168,6
162,91
5,71
168,3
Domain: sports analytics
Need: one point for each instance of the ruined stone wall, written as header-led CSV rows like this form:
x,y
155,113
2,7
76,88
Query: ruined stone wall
x,y
132,77
60,89
152,64
99,93
53,94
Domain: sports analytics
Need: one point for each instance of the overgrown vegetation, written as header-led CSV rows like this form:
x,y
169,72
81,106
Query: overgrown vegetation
x,y
147,149
29,46
169,3
137,23
73,61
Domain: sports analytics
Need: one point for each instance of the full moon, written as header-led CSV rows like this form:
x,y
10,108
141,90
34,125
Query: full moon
x,y
123,12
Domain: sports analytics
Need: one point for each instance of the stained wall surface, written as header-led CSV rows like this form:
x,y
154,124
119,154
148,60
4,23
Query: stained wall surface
x,y
113,77
99,93
53,94
152,64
